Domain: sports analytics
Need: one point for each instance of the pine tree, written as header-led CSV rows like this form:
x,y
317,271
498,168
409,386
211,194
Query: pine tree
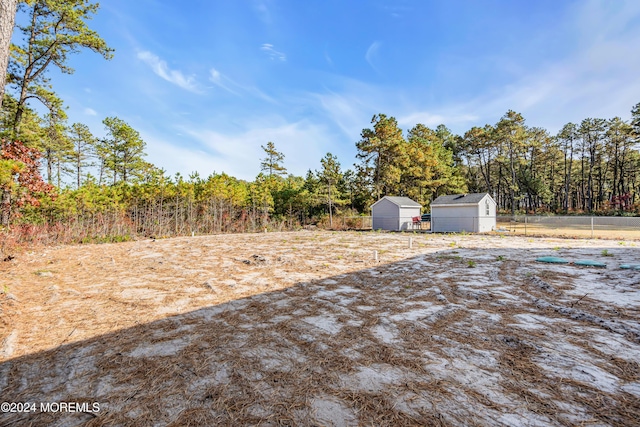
x,y
122,152
511,134
330,176
383,156
55,29
272,164
84,145
635,122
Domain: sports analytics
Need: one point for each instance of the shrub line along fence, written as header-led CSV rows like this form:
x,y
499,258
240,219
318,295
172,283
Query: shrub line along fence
x,y
356,222
117,226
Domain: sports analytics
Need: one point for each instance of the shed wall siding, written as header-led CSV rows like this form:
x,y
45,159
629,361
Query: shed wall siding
x,y
450,219
487,223
385,215
406,217
460,217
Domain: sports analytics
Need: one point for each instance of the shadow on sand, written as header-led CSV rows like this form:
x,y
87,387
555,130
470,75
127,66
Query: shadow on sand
x,y
424,341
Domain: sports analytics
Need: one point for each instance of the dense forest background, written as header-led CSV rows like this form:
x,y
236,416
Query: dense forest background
x,y
58,182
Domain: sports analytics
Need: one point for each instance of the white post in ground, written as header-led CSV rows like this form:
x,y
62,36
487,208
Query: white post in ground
x,y
525,225
375,256
592,227
410,242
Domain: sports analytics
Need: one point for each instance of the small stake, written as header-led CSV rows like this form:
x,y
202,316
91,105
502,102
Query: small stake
x,y
580,299
410,242
375,256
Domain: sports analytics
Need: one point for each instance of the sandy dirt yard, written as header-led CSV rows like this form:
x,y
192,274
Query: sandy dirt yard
x,y
307,328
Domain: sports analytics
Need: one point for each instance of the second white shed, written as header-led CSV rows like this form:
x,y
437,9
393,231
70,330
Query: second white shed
x,y
394,213
474,213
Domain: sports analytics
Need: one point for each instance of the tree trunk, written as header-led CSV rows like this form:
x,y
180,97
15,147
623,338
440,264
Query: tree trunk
x,y
49,157
330,214
5,207
512,188
8,10
78,169
101,172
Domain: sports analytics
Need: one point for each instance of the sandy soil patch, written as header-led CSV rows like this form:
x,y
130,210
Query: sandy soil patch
x,y
305,328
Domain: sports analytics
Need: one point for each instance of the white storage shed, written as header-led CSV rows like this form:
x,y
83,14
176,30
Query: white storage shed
x,y
474,213
394,213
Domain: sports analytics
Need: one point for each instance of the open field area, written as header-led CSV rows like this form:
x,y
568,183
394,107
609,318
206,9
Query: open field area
x,y
307,328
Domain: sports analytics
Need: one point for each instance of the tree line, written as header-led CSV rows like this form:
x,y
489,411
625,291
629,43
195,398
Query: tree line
x,y
590,167
57,179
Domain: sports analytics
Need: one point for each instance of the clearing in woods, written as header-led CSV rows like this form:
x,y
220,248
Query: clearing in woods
x,y
305,328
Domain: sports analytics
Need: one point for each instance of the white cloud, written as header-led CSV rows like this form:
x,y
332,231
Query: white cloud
x,y
348,110
601,20
259,94
396,9
238,153
372,53
601,78
179,158
272,53
231,86
90,112
221,81
352,106
161,68
352,112
433,120
261,8
328,58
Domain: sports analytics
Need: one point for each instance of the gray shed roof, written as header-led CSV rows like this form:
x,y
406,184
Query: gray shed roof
x,y
459,199
403,202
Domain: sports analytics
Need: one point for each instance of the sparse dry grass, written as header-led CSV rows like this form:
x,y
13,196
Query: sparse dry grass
x,y
199,331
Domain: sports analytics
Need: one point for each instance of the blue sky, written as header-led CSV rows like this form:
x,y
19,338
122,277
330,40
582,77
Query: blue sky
x,y
207,82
